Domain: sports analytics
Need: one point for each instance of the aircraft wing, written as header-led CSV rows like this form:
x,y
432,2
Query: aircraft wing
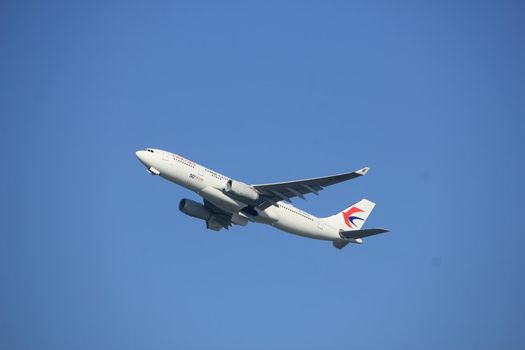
x,y
219,219
275,192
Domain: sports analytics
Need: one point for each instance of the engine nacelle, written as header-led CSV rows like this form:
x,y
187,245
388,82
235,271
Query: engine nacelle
x,y
192,208
241,191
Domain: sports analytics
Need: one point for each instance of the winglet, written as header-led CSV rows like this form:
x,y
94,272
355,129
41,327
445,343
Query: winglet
x,y
363,171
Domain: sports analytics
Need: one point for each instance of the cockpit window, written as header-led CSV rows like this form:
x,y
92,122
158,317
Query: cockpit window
x,y
150,150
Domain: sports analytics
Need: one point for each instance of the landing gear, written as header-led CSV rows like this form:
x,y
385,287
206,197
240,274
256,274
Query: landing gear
x,y
249,210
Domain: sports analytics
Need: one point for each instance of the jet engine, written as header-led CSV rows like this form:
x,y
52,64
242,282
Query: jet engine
x,y
241,191
192,208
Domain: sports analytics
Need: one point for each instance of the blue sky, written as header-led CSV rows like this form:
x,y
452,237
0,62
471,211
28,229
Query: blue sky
x,y
94,253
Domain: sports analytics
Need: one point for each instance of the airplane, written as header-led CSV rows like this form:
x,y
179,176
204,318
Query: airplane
x,y
228,202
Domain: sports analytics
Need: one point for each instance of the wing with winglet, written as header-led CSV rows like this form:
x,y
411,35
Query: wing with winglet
x,y
275,192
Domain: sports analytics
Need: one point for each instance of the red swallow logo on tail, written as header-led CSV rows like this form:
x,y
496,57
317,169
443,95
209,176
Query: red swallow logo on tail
x,y
349,219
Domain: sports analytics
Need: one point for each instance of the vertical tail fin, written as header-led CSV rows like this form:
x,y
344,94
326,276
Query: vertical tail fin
x,y
353,217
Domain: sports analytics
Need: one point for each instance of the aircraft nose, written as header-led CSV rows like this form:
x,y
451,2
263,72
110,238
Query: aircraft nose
x,y
141,155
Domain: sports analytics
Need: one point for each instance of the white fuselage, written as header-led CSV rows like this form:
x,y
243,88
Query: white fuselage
x,y
209,184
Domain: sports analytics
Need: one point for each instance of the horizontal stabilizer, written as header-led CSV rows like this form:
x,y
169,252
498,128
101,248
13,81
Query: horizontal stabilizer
x,y
340,244
356,234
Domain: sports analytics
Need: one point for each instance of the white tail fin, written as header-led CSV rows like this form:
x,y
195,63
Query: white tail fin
x,y
351,218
